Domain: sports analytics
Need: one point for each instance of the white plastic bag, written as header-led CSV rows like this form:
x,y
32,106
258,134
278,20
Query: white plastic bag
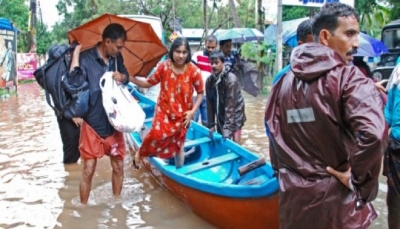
x,y
123,111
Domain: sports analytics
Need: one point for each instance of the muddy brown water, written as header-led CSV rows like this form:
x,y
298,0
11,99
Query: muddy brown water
x,y
38,191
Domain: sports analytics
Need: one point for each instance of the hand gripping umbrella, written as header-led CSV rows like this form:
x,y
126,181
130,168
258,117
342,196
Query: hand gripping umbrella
x,y
142,50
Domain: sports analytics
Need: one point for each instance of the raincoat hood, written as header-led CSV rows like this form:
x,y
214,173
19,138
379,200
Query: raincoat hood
x,y
306,60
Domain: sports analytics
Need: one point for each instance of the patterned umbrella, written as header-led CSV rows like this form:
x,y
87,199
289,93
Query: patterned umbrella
x,y
142,51
239,35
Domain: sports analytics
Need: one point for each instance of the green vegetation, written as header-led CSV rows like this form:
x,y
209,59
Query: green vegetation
x,y
374,14
18,12
263,55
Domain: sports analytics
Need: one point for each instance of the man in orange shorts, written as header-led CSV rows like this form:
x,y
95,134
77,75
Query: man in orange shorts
x,y
98,137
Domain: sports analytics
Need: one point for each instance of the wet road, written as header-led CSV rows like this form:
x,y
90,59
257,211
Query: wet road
x,y
38,191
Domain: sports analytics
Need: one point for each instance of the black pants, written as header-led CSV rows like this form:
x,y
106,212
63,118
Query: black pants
x,y
393,203
70,139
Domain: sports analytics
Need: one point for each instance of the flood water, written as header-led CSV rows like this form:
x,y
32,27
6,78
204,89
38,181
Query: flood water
x,y
38,191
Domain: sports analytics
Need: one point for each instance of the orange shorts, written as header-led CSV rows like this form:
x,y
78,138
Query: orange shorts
x,y
93,146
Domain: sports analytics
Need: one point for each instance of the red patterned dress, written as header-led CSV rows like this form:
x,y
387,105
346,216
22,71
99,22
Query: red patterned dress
x,y
167,134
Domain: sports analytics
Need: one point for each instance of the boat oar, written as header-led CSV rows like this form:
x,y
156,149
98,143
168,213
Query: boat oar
x,y
249,167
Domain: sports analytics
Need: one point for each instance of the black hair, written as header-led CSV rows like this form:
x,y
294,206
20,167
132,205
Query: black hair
x,y
114,31
303,30
359,62
327,17
175,45
217,55
211,38
221,43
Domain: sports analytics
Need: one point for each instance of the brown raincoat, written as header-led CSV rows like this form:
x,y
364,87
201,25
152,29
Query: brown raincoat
x,y
225,104
324,113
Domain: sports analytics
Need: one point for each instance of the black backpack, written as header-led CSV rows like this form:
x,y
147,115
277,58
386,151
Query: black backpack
x,y
66,100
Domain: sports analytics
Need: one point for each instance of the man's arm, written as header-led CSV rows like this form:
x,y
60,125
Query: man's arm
x,y
210,106
363,116
231,90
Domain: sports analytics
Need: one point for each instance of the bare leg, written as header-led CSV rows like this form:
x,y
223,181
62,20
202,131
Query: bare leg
x,y
237,136
180,159
85,185
136,160
117,178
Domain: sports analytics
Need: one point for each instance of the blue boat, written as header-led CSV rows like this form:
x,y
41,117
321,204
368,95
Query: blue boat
x,y
220,180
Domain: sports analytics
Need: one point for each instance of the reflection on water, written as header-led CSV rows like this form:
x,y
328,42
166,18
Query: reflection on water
x,y
38,191
30,168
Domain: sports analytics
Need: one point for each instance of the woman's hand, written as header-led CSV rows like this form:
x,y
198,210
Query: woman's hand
x,y
188,117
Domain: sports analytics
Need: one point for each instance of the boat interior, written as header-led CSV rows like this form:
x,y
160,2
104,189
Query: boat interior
x,y
212,159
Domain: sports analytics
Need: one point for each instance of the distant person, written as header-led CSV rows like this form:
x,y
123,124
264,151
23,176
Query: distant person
x,y
391,167
304,35
201,59
326,130
245,71
359,62
69,129
225,103
232,57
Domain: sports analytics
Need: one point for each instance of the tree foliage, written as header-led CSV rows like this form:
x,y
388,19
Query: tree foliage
x,y
18,12
75,12
294,12
395,9
372,16
44,39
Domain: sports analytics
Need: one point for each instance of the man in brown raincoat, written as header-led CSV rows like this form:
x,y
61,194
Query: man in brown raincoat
x,y
327,130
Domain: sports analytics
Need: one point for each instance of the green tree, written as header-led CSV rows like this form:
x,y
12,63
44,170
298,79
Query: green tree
x,y
81,11
246,11
44,39
372,16
191,14
294,12
18,12
394,6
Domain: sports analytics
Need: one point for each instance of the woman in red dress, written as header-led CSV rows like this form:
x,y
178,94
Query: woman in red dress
x,y
178,78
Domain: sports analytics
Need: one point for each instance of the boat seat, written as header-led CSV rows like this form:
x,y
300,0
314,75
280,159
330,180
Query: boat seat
x,y
256,180
188,169
148,119
191,154
195,142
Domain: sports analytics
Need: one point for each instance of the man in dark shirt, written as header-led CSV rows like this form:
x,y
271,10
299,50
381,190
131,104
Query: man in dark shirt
x,y
98,137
